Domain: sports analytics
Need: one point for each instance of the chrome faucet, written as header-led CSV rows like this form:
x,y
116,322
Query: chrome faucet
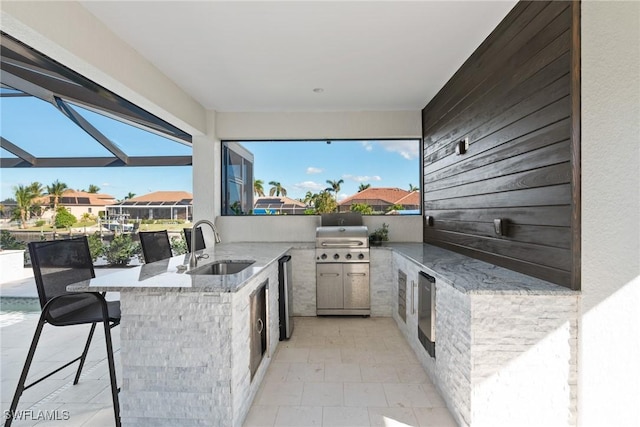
x,y
193,259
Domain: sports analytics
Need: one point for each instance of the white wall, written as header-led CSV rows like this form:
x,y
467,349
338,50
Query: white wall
x,y
302,228
609,340
329,125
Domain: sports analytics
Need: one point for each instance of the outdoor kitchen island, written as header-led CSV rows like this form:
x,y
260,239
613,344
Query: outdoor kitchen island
x,y
185,338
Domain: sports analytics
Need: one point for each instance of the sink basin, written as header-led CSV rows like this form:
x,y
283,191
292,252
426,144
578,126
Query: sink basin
x,y
222,267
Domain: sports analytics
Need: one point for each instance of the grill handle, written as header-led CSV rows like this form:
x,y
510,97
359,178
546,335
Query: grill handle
x,y
342,243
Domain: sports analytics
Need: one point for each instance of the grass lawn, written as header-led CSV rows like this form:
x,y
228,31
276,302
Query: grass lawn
x,y
89,224
168,227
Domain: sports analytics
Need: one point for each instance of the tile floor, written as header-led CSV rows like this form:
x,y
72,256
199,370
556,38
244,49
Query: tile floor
x,y
333,372
346,371
86,404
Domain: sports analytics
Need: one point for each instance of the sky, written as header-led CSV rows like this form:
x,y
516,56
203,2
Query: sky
x,y
306,166
298,166
41,129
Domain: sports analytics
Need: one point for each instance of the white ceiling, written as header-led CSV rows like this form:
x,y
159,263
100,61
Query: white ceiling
x,y
270,55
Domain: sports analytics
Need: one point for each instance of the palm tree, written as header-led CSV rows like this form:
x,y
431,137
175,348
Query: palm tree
x,y
335,186
36,207
130,195
308,198
93,189
36,188
412,188
24,199
277,189
258,188
363,187
55,191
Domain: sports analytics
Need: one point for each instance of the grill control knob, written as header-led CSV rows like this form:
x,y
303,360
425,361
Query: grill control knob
x,y
361,256
323,256
336,256
348,256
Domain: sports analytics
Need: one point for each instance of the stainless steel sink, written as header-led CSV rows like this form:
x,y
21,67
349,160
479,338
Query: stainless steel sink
x,y
222,267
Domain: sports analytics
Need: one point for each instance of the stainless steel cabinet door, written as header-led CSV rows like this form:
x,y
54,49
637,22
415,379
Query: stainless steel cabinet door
x,y
329,288
257,327
356,286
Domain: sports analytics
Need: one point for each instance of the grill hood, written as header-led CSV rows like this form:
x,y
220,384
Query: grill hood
x,y
346,237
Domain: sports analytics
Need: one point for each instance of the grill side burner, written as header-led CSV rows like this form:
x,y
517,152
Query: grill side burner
x,y
342,271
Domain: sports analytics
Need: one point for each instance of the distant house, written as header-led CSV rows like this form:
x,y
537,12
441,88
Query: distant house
x,y
78,202
278,206
156,205
382,199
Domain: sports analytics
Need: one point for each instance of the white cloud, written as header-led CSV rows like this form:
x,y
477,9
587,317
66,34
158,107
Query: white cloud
x,y
309,186
311,170
407,149
342,196
362,178
367,145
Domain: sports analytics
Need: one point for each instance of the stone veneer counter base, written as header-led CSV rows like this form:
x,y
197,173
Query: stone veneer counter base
x,y
185,339
506,343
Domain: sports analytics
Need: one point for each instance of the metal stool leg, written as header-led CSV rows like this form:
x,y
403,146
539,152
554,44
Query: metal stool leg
x,y
84,354
25,371
112,372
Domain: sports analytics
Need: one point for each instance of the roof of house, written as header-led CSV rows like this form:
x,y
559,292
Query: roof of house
x,y
276,201
160,198
163,196
412,198
388,195
75,197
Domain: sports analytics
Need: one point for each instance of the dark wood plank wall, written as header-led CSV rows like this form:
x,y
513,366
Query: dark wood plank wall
x,y
512,101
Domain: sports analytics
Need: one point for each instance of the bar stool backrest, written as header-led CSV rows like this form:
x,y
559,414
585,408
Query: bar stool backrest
x,y
199,239
155,245
56,264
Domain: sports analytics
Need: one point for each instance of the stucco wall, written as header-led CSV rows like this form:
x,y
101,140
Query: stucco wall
x,y
609,343
327,125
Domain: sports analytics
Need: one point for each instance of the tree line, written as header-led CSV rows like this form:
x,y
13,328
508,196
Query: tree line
x,y
29,205
323,201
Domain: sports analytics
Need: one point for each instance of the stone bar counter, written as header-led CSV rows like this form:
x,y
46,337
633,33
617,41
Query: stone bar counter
x,y
185,338
506,343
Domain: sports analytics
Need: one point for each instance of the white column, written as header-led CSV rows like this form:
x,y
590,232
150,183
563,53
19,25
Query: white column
x,y
609,340
206,177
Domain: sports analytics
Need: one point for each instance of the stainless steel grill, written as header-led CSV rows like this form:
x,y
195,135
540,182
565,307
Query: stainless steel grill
x,y
342,269
342,244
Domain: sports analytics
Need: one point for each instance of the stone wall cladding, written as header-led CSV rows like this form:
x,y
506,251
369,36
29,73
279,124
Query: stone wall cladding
x,y
453,350
524,359
502,359
381,281
158,324
207,380
304,281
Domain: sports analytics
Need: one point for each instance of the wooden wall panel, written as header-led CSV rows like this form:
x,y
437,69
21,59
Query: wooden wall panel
x,y
512,100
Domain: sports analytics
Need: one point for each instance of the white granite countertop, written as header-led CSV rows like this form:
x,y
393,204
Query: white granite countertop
x,y
470,275
466,274
164,275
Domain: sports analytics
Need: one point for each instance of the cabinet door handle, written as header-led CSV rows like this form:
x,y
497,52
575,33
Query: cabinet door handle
x,y
329,274
413,306
259,326
356,274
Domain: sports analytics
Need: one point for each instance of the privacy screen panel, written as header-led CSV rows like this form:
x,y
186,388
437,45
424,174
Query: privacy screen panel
x,y
499,142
